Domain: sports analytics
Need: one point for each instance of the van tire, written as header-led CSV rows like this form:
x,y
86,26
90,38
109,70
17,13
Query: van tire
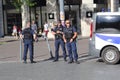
x,y
110,55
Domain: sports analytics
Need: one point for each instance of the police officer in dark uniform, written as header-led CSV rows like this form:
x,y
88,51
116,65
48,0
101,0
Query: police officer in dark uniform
x,y
70,34
28,35
58,32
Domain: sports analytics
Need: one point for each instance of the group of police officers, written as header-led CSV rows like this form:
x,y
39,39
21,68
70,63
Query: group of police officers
x,y
64,35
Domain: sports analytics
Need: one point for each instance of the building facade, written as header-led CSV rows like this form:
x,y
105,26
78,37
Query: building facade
x,y
49,10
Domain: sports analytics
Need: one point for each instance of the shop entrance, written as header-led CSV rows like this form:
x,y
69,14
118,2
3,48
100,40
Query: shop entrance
x,y
71,15
13,18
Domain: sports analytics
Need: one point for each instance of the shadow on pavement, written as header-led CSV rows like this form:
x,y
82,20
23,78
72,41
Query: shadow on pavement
x,y
6,58
85,58
11,40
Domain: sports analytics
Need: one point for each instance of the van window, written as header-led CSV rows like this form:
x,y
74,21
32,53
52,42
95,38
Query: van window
x,y
108,23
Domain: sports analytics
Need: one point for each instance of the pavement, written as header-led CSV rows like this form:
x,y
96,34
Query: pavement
x,y
11,67
10,49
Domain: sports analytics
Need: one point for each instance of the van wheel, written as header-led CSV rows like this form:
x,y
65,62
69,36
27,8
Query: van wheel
x,y
110,55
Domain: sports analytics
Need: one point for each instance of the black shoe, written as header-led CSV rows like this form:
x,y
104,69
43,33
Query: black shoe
x,y
55,60
25,62
77,62
65,60
70,62
33,62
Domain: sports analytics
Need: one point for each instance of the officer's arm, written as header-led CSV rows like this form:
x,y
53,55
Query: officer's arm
x,y
53,31
75,35
64,38
21,36
34,36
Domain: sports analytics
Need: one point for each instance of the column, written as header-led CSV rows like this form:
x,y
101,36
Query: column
x,y
62,13
87,5
52,14
114,5
109,5
1,19
25,15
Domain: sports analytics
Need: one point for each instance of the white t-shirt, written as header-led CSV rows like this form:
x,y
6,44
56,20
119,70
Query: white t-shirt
x,y
45,27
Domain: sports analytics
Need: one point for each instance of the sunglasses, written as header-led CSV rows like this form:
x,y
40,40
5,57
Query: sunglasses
x,y
67,22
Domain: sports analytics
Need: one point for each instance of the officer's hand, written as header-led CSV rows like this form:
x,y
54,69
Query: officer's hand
x,y
58,31
36,40
21,36
71,40
65,40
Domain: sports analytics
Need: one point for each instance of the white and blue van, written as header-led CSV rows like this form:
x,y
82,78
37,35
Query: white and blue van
x,y
105,37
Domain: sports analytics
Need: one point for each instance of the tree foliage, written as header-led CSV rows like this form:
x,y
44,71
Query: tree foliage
x,y
19,3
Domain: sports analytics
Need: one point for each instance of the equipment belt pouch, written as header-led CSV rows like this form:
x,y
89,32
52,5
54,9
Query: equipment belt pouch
x,y
68,39
57,37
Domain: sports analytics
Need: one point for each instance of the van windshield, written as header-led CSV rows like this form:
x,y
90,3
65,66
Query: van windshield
x,y
108,23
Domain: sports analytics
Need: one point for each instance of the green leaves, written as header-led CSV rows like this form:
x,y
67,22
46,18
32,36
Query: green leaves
x,y
30,3
19,3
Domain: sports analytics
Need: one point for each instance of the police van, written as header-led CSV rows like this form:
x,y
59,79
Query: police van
x,y
104,39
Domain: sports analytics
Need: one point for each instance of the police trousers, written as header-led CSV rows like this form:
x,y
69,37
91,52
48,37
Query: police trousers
x,y
59,42
72,50
28,45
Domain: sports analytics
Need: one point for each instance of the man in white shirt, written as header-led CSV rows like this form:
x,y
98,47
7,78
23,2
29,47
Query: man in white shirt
x,y
46,29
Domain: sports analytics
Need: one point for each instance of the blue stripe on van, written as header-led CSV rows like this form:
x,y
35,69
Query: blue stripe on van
x,y
112,39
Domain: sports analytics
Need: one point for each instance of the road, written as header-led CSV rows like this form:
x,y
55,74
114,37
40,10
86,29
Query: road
x,y
48,70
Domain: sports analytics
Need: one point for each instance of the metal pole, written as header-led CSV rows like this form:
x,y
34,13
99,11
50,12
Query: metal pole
x,y
49,48
20,49
62,13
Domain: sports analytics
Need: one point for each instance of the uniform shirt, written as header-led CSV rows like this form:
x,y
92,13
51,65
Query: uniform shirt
x,y
31,32
69,32
58,35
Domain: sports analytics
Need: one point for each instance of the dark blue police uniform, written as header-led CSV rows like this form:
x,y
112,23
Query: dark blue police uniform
x,y
59,41
28,43
71,46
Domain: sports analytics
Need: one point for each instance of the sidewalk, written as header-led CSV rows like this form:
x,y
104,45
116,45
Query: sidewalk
x,y
10,49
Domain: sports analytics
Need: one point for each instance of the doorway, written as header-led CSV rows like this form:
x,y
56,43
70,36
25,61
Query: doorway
x,y
71,15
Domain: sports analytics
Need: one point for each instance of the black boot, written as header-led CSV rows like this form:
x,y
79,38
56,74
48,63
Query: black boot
x,y
33,61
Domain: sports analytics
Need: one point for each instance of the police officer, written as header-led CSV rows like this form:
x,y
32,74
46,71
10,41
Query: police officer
x,y
58,32
28,35
70,34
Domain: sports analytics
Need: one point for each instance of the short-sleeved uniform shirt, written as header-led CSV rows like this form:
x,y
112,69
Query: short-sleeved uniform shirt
x,y
58,35
28,34
69,32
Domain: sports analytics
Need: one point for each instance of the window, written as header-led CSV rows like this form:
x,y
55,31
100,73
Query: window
x,y
100,1
109,23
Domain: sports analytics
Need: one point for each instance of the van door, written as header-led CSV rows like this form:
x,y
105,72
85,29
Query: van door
x,y
107,30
